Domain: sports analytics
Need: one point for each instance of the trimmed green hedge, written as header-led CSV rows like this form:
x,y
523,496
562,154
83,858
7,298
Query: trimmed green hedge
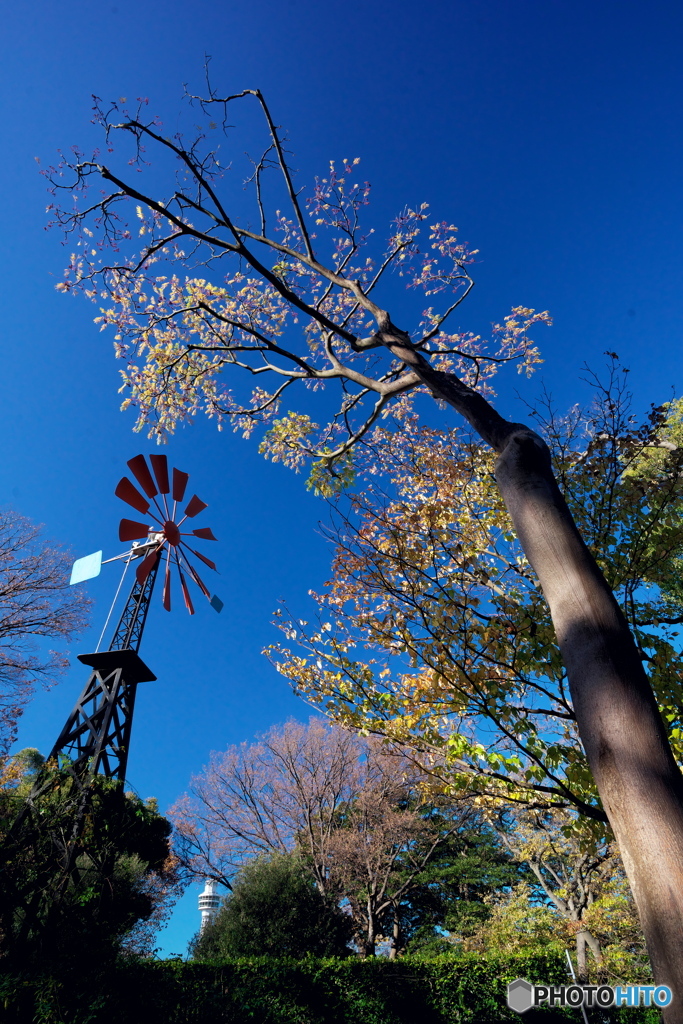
x,y
468,989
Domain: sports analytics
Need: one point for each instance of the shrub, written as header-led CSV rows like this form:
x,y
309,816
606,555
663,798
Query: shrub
x,y
466,989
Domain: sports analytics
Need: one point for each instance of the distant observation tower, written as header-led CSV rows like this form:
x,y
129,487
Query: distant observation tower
x,y
209,902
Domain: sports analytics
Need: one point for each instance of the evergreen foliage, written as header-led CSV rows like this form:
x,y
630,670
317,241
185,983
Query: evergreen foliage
x,y
73,902
451,900
265,990
275,909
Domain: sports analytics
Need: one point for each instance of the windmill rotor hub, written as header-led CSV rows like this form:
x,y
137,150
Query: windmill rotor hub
x,y
171,533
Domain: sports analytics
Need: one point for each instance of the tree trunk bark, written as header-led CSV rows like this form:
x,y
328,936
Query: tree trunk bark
x,y
585,940
619,723
371,934
581,969
395,936
640,785
594,946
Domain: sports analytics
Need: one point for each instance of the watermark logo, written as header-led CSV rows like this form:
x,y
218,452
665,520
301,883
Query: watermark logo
x,y
522,995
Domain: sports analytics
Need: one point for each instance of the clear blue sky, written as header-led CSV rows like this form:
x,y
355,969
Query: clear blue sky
x,y
549,131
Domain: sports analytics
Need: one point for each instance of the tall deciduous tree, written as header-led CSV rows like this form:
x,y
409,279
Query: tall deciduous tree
x,y
380,856
36,604
575,894
273,301
433,631
286,790
571,873
353,810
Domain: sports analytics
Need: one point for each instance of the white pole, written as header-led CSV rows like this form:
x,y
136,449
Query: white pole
x,y
571,968
104,628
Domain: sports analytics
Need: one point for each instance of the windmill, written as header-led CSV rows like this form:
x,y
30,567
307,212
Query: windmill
x,y
95,739
96,735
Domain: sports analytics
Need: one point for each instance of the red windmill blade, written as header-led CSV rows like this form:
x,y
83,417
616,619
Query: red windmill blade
x,y
160,467
130,530
164,533
204,532
129,493
179,484
140,471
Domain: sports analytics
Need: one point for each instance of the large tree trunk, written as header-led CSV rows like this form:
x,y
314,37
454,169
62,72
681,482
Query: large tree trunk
x,y
619,723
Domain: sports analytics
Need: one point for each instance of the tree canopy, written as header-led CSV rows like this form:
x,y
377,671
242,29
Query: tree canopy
x,y
36,604
574,896
275,909
433,631
68,901
285,288
363,821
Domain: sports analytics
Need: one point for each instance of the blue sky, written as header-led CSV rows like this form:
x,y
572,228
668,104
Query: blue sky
x,y
548,131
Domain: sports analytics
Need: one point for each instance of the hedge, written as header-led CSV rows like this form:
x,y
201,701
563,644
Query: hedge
x,y
467,989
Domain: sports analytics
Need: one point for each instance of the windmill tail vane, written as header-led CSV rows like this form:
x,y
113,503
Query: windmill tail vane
x,y
160,496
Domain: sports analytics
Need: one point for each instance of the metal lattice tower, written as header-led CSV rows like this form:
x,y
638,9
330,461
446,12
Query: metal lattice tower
x,y
96,735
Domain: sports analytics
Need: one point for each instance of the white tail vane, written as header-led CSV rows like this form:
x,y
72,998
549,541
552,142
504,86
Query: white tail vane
x,y
86,568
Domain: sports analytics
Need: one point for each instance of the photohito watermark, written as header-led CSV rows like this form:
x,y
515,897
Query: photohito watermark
x,y
522,995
